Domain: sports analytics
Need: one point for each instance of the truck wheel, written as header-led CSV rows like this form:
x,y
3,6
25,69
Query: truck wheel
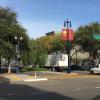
x,y
92,72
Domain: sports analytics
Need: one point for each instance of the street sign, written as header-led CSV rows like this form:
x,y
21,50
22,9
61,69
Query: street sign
x,y
67,34
96,36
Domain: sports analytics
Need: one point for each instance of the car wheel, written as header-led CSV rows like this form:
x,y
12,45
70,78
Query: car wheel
x,y
91,72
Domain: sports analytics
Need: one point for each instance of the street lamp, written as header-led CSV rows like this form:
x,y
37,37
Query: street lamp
x,y
69,44
18,40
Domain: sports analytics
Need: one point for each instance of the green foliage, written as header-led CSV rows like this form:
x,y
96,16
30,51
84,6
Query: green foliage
x,y
28,68
23,70
37,54
84,37
40,69
35,51
41,47
52,43
9,28
58,44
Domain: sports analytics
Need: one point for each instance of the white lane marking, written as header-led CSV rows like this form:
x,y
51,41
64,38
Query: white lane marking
x,y
37,79
98,81
97,87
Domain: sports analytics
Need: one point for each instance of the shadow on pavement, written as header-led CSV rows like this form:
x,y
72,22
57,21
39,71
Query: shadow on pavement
x,y
24,92
96,98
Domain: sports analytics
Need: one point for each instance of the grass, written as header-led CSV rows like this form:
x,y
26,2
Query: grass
x,y
25,69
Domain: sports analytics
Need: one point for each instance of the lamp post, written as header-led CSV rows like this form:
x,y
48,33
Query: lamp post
x,y
69,44
18,40
76,56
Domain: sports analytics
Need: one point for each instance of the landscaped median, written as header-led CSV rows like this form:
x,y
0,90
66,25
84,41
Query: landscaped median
x,y
9,78
52,75
40,76
59,75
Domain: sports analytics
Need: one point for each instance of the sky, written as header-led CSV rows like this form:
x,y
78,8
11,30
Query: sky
x,y
42,16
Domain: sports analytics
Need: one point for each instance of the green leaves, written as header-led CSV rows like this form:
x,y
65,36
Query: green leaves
x,y
84,36
37,53
9,28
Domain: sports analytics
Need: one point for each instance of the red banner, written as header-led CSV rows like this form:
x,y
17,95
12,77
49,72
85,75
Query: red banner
x,y
67,34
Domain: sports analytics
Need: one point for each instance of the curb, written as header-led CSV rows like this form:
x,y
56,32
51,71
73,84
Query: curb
x,y
4,79
64,76
9,78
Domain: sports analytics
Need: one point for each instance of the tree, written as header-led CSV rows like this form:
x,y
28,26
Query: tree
x,y
58,44
9,28
52,43
37,54
46,42
84,37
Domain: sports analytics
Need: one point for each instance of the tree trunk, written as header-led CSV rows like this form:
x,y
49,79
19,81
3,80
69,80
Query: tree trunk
x,y
9,67
0,63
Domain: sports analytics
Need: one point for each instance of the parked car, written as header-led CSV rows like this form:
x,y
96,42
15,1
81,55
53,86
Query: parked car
x,y
95,70
87,65
75,67
14,69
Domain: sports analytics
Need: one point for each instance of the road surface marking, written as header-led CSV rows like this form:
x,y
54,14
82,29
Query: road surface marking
x,y
37,79
97,87
98,81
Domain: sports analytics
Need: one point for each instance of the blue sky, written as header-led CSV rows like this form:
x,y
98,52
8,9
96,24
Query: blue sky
x,y
42,16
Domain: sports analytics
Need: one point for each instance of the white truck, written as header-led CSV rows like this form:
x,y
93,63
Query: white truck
x,y
95,70
57,61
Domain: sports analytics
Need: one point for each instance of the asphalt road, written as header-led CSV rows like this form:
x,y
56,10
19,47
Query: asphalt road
x,y
79,88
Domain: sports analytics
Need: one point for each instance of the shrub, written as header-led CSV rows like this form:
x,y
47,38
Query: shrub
x,y
40,69
25,69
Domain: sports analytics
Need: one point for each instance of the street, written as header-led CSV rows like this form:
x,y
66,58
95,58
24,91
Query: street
x,y
77,88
